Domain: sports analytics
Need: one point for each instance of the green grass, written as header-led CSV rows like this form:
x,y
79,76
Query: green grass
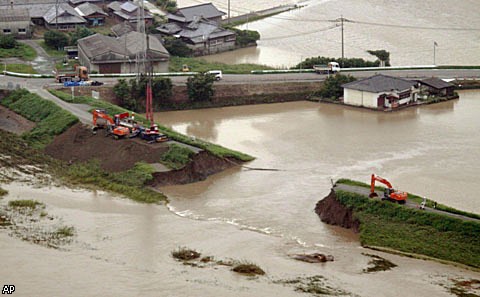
x,y
177,156
22,51
21,68
130,183
412,197
3,192
65,231
201,65
112,109
51,51
410,230
51,120
32,204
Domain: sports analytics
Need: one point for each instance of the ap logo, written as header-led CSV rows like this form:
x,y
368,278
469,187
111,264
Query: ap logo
x,y
8,289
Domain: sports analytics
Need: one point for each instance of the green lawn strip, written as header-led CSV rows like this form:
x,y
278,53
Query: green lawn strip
x,y
414,231
51,120
130,183
22,51
201,65
113,109
413,197
21,68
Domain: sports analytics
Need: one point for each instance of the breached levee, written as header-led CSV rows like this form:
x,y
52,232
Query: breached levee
x,y
440,233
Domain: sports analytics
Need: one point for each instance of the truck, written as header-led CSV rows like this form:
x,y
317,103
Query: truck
x,y
331,67
78,73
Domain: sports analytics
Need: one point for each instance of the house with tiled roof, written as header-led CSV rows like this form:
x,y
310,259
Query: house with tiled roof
x,y
94,15
127,11
185,15
15,22
64,17
106,54
380,92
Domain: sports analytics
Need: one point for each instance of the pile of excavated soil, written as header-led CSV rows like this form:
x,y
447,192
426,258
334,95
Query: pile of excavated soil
x,y
332,212
202,165
13,122
78,143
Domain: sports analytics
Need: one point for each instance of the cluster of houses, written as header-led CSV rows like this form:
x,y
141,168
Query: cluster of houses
x,y
387,92
198,26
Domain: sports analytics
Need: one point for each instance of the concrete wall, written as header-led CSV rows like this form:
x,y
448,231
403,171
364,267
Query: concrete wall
x,y
352,97
15,27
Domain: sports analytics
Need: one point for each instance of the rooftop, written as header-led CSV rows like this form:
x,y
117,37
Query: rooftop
x,y
87,9
66,15
186,14
436,83
380,83
14,15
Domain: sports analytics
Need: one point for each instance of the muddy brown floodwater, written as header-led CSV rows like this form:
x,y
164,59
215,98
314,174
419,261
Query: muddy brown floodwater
x,y
122,248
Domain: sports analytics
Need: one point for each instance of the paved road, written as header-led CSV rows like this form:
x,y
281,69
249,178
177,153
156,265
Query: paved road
x,y
366,192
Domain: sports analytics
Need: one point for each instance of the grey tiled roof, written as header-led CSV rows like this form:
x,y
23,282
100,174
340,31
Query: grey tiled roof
x,y
128,7
197,31
115,5
87,9
14,15
122,28
169,28
36,10
99,46
380,83
66,15
436,83
206,10
76,2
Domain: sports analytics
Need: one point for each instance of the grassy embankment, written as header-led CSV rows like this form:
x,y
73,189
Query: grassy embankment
x,y
201,65
51,120
177,156
112,109
21,51
21,68
389,225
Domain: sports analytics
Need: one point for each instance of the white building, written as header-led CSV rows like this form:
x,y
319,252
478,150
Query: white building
x,y
380,92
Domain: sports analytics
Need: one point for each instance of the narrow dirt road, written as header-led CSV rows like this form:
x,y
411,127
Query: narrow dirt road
x,y
366,191
43,63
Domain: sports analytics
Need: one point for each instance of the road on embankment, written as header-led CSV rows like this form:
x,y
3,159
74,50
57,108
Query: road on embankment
x,y
38,85
366,192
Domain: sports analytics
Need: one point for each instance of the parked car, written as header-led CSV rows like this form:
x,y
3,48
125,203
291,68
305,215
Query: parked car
x,y
216,73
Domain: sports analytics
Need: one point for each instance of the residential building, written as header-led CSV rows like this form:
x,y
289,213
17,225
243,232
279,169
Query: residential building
x,y
76,3
436,86
122,28
94,15
203,36
64,17
128,11
105,54
380,92
16,22
183,16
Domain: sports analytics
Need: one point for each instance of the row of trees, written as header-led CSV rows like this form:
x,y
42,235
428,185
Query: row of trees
x,y
58,40
131,94
382,55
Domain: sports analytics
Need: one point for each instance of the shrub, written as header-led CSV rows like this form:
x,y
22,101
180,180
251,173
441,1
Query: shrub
x,y
79,33
200,87
176,47
132,94
248,269
332,87
346,62
3,192
7,41
24,204
185,254
246,37
177,156
56,39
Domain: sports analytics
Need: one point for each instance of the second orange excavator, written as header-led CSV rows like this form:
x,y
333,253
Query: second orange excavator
x,y
389,193
107,122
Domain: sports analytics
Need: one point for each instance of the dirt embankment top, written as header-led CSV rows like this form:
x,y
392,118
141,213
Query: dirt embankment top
x,y
79,144
332,212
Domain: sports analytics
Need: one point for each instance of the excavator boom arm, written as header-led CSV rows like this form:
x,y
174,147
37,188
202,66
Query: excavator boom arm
x,y
379,179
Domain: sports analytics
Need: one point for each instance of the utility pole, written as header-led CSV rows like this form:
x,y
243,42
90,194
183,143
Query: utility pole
x,y
228,12
343,49
435,44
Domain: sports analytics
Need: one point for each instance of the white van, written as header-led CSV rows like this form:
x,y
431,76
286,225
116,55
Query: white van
x,y
216,73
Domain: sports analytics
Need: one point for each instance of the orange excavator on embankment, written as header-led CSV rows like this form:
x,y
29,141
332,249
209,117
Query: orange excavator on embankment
x,y
107,122
389,193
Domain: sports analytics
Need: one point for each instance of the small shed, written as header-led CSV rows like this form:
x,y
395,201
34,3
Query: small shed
x,y
16,22
436,86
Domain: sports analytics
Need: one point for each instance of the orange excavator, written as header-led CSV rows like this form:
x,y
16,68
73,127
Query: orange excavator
x,y
389,193
102,120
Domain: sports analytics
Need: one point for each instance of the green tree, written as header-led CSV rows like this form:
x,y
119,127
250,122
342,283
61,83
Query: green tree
x,y
123,93
79,33
56,39
176,47
346,62
332,87
245,37
200,87
132,94
7,41
167,5
382,55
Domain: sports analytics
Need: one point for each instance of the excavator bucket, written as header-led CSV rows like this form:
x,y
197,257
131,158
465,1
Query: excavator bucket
x,y
373,195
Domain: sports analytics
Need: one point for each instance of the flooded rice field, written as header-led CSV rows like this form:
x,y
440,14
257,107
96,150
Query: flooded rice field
x,y
122,248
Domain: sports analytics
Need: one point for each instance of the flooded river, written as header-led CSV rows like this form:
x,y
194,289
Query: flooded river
x,y
122,248
407,29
